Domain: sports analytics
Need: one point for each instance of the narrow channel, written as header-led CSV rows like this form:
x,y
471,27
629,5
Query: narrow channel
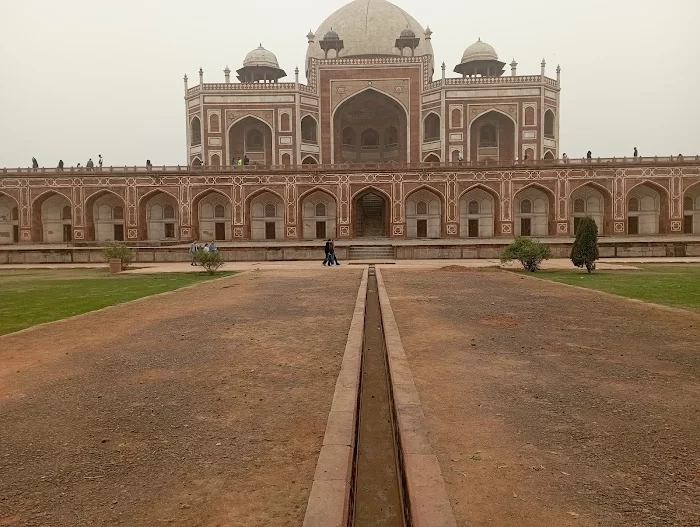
x,y
378,493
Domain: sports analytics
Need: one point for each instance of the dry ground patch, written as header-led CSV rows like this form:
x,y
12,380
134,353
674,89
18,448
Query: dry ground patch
x,y
204,407
554,406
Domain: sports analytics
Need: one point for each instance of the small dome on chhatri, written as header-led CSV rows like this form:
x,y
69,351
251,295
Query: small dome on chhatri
x,y
408,33
261,57
479,51
331,35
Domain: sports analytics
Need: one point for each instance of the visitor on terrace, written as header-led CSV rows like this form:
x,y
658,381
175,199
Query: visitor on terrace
x,y
193,252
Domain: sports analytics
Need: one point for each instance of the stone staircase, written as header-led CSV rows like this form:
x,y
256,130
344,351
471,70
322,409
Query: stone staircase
x,y
375,253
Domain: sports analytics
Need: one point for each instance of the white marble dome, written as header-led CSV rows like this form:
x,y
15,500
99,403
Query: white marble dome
x,y
479,51
261,57
369,27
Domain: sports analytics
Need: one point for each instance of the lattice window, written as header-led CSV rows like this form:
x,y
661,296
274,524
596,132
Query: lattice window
x,y
488,136
270,210
219,211
688,203
633,205
320,209
579,205
66,213
169,212
118,212
473,207
422,207
526,206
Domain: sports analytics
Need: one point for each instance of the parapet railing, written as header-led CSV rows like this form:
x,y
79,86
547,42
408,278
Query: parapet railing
x,y
510,79
388,166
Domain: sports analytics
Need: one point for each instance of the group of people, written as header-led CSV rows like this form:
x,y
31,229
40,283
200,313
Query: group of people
x,y
240,161
90,165
196,247
331,258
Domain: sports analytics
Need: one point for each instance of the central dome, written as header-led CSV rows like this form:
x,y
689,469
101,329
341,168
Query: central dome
x,y
370,28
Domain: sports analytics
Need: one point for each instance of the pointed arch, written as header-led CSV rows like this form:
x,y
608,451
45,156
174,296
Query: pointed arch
x,y
548,155
260,226
604,218
370,212
309,129
315,225
309,160
660,224
156,230
432,130
431,158
95,228
538,221
393,112
549,124
506,129
9,221
206,228
480,223
195,131
50,227
423,218
236,140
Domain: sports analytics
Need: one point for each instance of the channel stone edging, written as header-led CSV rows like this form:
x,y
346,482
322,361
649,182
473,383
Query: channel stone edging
x,y
425,486
329,501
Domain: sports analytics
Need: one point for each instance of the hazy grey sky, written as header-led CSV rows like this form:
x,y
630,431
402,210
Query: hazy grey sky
x,y
84,77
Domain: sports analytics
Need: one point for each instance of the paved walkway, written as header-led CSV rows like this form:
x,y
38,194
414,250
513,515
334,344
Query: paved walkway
x,y
183,267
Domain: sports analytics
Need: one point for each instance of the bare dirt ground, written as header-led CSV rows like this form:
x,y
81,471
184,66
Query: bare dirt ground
x,y
204,407
552,406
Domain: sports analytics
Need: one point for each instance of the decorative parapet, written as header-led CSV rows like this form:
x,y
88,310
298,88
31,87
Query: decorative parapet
x,y
470,81
253,86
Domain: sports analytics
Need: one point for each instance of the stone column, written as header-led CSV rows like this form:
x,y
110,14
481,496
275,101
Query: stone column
x,y
398,220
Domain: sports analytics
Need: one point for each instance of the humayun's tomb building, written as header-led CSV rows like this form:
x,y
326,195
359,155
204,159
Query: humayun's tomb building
x,y
381,141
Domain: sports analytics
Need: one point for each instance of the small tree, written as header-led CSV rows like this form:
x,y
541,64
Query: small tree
x,y
585,249
119,251
529,253
210,260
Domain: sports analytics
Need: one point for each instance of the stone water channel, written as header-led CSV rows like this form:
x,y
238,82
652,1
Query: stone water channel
x,y
378,492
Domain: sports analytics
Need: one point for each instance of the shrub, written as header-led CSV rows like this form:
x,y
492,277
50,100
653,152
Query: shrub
x,y
211,261
119,251
585,249
528,252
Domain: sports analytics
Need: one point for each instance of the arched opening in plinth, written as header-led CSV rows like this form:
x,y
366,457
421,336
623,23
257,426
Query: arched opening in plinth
x,y
9,220
252,138
477,213
318,215
52,218
533,212
211,216
266,213
371,218
423,214
691,210
492,137
594,201
104,217
647,209
159,218
370,127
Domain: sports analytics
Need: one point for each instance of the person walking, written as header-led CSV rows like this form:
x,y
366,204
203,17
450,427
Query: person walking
x,y
327,250
565,158
212,247
635,153
35,164
589,155
99,161
149,166
206,248
60,165
193,252
90,165
240,161
246,161
333,258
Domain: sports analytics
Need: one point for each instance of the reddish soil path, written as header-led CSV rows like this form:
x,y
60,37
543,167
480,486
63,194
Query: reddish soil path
x,y
204,407
553,406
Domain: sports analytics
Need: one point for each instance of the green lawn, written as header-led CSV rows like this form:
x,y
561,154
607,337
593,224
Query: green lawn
x,y
30,297
669,284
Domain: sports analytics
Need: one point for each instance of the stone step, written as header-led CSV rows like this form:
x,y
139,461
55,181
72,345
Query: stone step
x,y
383,252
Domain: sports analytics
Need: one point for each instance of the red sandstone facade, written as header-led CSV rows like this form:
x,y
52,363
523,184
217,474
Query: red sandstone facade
x,y
371,146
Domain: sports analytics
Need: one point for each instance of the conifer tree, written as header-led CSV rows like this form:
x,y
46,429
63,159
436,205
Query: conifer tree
x,y
585,249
